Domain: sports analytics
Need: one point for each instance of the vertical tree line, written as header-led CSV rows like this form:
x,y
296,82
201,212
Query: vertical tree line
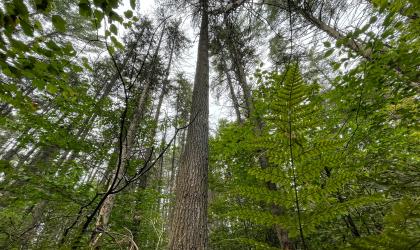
x,y
106,142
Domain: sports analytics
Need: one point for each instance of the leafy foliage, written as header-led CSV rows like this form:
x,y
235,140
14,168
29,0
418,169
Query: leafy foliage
x,y
324,152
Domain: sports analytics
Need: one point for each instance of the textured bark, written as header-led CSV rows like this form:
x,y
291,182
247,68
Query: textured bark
x,y
234,98
232,92
189,222
239,70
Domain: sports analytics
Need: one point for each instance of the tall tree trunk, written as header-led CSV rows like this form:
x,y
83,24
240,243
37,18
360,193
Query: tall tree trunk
x,y
143,181
160,172
232,94
189,222
101,96
127,145
106,208
241,76
171,181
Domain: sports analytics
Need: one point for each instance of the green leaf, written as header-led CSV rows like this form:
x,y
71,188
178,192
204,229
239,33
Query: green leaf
x,y
116,42
373,19
357,32
86,64
41,5
27,28
100,3
38,25
19,45
77,68
113,29
59,23
336,65
52,89
328,53
111,50
128,14
20,8
327,44
113,3
128,24
99,15
68,49
52,45
371,34
38,83
84,9
133,4
341,41
113,16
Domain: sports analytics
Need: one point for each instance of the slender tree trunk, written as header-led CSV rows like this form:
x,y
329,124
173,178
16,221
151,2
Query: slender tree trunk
x,y
233,95
101,95
189,222
241,76
160,172
331,31
143,181
127,145
106,208
171,181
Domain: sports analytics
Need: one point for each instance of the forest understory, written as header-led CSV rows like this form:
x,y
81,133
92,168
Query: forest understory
x,y
210,124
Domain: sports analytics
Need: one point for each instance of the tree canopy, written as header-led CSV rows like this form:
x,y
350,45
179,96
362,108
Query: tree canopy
x,y
107,142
